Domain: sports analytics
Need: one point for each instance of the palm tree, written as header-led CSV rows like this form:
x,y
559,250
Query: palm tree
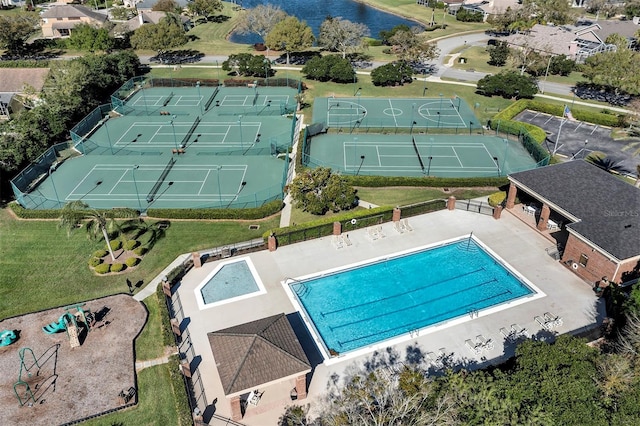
x,y
76,212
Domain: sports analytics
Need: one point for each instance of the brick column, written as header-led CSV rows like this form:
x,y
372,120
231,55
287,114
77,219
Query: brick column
x,y
511,196
301,386
166,288
497,211
272,243
544,217
175,326
337,228
451,203
397,213
236,409
197,261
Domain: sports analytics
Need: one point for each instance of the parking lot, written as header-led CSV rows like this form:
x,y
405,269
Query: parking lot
x,y
576,139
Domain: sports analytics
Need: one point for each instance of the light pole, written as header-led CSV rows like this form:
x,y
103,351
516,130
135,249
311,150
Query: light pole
x,y
361,162
218,168
266,71
470,127
135,185
438,119
429,166
240,124
546,73
356,93
55,191
199,97
506,151
106,128
175,140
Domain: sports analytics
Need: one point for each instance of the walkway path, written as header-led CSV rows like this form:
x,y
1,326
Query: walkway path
x,y
141,365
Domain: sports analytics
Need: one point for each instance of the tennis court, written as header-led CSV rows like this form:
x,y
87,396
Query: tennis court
x,y
418,155
358,112
171,147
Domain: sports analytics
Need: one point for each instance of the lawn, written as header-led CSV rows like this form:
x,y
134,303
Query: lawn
x,y
43,268
149,343
156,404
402,196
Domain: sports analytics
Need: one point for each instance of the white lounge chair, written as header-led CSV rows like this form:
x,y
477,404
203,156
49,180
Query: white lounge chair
x,y
484,343
398,227
543,323
345,238
519,331
372,234
405,223
474,348
379,231
554,319
509,335
336,241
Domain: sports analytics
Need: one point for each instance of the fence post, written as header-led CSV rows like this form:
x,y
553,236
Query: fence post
x,y
497,211
451,203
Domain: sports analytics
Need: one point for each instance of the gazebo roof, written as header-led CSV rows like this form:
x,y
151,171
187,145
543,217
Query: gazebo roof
x,y
256,353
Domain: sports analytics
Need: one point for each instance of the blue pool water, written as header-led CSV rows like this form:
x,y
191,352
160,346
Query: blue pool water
x,y
231,280
357,307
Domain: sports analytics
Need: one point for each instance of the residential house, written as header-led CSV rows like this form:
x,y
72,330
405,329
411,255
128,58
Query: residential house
x,y
490,7
147,5
16,81
147,17
59,21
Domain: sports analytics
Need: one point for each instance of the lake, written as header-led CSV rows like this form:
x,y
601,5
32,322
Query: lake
x,y
315,11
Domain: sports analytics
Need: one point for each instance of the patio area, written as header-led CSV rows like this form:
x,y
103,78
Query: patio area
x,y
477,340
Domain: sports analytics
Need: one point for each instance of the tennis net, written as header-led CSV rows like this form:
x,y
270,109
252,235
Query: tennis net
x,y
166,101
415,147
156,186
255,98
190,132
210,100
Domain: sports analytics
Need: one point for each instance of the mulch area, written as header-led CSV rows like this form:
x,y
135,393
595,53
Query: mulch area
x,y
71,384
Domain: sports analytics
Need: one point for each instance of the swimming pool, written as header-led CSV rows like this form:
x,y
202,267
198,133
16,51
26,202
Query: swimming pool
x,y
365,304
230,281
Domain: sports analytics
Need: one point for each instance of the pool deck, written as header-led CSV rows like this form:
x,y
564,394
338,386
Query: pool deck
x,y
522,247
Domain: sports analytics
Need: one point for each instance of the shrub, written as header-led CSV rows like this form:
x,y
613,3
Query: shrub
x,y
140,251
131,244
497,198
118,267
100,253
392,74
132,261
102,268
116,245
508,84
265,210
95,261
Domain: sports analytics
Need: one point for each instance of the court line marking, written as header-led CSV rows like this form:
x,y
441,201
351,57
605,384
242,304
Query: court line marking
x,y
116,184
454,150
204,181
392,112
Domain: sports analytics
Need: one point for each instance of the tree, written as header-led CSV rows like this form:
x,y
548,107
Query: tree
x,y
618,40
120,14
341,35
385,36
392,74
12,156
501,22
166,34
329,67
616,71
16,29
557,12
169,6
204,8
98,222
260,20
290,35
248,65
632,9
561,65
465,15
508,84
409,46
499,54
88,38
317,191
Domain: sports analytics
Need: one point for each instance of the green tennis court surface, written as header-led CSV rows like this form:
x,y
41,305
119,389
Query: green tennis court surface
x,y
432,155
419,113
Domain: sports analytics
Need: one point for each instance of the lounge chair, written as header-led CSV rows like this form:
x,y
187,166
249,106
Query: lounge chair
x,y
372,234
474,348
405,223
511,336
379,231
543,323
433,361
484,343
336,241
345,238
554,319
519,331
398,227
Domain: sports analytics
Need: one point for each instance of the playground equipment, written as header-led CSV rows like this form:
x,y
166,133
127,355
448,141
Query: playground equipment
x,y
21,385
7,337
72,323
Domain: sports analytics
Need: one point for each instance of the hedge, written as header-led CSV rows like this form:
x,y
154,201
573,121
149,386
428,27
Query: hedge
x,y
100,253
167,332
180,392
132,261
265,210
140,251
102,268
118,267
95,261
116,244
497,198
130,244
23,213
431,182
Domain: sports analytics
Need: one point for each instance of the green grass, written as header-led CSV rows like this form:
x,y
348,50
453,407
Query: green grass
x,y
43,268
399,196
149,343
156,404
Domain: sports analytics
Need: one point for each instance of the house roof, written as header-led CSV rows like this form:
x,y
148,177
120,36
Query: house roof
x,y
548,38
148,4
13,80
608,207
73,11
148,17
624,28
258,352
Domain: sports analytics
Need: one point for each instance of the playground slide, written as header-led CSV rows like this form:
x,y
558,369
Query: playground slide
x,y
7,337
55,327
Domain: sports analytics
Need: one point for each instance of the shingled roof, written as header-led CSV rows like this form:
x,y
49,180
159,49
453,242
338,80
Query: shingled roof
x,y
72,11
607,208
258,352
14,80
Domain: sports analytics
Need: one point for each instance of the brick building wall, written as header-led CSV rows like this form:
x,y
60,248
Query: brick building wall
x,y
598,265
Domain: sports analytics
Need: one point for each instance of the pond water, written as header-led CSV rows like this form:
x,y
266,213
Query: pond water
x,y
315,11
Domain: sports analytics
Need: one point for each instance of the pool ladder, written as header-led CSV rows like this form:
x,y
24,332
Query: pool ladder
x,y
303,287
473,313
